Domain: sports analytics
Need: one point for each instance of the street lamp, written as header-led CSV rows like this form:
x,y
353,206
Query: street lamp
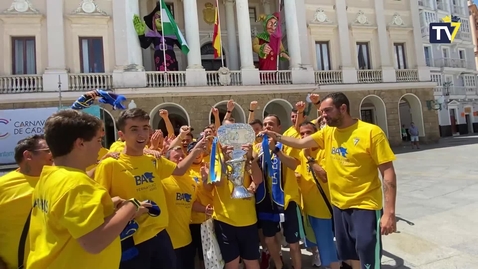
x,y
132,105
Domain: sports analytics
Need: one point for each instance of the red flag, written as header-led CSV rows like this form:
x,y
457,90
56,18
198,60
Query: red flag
x,y
216,38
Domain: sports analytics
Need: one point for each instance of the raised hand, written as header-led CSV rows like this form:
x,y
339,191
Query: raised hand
x,y
163,113
230,105
139,25
183,131
157,139
253,105
315,98
215,111
300,106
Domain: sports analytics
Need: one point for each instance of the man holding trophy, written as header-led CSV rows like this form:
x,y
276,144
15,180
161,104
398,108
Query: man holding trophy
x,y
234,214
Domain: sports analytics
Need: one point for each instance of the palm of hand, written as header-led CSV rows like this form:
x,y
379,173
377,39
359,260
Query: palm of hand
x,y
139,25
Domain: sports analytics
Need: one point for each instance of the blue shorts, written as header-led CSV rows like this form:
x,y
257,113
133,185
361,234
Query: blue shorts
x,y
357,232
325,240
291,225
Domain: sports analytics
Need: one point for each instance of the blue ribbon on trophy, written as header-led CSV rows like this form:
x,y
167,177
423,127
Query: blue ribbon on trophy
x,y
266,155
212,162
126,236
105,97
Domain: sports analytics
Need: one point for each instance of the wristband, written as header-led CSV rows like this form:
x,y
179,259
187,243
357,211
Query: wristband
x,y
318,103
135,202
229,111
250,110
276,150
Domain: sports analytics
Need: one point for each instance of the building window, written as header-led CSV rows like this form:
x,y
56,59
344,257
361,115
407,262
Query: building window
x,y
461,54
24,56
171,8
91,55
465,26
252,14
400,61
428,55
363,55
323,55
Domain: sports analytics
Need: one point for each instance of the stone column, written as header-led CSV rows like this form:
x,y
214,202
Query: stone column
x,y
266,4
423,70
250,75
233,57
388,70
299,74
56,68
303,34
195,73
129,71
349,73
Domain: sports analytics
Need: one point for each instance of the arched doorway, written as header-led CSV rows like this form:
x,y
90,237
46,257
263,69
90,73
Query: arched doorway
x,y
410,110
111,133
282,109
373,110
207,58
238,113
177,115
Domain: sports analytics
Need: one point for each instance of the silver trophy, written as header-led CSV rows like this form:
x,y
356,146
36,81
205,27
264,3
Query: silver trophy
x,y
236,135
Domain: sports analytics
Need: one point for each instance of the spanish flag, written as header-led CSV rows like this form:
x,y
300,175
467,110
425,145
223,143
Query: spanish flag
x,y
216,37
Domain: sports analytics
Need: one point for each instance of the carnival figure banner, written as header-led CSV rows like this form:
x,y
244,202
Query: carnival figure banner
x,y
268,44
163,34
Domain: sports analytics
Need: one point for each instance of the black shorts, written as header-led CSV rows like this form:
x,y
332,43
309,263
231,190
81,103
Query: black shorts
x,y
290,226
357,232
197,243
237,242
155,253
185,257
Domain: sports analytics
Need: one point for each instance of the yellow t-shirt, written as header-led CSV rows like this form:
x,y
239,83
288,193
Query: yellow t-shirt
x,y
235,212
68,205
292,132
101,154
180,194
313,202
138,177
352,158
203,197
16,191
117,146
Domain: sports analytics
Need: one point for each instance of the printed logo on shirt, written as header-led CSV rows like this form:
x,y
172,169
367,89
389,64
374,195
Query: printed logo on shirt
x,y
356,140
41,204
183,198
145,178
340,151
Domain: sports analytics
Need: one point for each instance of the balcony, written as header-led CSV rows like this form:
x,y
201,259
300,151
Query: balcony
x,y
369,76
406,75
456,91
451,63
458,10
21,84
328,77
463,36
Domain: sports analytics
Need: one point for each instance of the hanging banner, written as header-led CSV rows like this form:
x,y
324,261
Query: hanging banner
x,y
16,124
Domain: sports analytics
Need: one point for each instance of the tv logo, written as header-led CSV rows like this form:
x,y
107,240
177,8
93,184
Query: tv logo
x,y
444,32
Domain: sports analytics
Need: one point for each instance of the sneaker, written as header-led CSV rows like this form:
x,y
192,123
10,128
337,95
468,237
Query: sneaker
x,y
265,260
316,260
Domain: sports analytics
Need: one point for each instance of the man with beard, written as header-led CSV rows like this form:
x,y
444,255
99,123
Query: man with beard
x,y
354,151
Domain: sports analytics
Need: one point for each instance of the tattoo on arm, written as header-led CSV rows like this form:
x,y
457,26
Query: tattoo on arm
x,y
389,188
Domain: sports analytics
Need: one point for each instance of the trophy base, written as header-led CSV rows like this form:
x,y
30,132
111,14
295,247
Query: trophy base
x,y
240,192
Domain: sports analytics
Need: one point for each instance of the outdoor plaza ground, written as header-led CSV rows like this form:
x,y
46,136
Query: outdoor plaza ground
x,y
437,208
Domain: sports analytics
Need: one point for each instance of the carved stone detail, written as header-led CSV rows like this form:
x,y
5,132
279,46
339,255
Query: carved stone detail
x,y
88,7
21,6
224,76
320,16
397,20
361,19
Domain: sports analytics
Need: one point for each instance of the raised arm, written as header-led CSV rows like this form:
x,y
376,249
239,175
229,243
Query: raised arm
x,y
252,108
163,113
217,119
307,142
230,107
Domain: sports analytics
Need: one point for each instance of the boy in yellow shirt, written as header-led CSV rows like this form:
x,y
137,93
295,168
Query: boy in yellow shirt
x,y
16,189
354,151
70,207
316,209
136,175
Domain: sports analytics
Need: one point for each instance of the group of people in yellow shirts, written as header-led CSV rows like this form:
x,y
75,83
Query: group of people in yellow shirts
x,y
140,204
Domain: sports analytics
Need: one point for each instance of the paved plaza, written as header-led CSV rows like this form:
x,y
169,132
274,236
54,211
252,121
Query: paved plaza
x,y
437,207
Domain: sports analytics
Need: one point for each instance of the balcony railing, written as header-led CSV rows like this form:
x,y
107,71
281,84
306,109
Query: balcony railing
x,y
425,4
455,90
21,84
86,82
449,62
166,79
369,76
463,35
328,77
281,77
406,75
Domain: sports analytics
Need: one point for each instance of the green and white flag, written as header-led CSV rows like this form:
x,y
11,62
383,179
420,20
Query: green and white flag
x,y
170,28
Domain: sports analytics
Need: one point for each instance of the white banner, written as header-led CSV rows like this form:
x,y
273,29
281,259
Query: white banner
x,y
16,124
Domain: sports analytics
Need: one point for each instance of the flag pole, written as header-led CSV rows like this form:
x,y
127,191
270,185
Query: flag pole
x,y
220,32
163,41
280,42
